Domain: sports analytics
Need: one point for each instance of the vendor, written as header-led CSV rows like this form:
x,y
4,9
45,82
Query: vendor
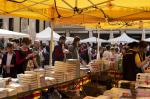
x,y
141,55
131,65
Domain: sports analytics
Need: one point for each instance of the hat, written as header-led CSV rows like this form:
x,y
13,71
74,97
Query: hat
x,y
143,44
62,37
76,38
133,44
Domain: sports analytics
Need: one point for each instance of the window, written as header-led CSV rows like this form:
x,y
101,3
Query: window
x,y
44,25
37,26
11,24
1,23
148,35
20,25
28,21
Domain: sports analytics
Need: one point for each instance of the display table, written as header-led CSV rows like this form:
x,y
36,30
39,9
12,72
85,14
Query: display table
x,y
77,83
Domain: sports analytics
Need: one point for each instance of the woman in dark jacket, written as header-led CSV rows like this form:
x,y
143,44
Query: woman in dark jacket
x,y
9,62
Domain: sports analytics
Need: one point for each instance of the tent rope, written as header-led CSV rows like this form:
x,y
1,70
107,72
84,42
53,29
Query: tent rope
x,y
17,1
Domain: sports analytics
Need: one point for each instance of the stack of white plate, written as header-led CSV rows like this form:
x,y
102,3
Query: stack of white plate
x,y
89,97
70,75
74,67
71,69
28,79
68,68
2,83
60,66
40,77
14,80
142,97
50,81
48,71
40,71
143,92
18,87
67,76
103,97
143,80
59,76
41,81
3,92
11,91
96,66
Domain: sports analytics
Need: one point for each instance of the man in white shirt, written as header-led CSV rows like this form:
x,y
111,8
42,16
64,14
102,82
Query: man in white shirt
x,y
107,53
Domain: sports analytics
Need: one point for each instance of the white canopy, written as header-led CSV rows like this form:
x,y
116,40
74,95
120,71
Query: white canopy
x,y
124,38
11,34
147,39
45,35
69,40
93,40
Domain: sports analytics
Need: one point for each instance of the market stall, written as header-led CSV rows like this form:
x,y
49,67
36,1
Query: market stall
x,y
45,35
147,39
73,12
124,38
11,34
43,91
93,40
64,77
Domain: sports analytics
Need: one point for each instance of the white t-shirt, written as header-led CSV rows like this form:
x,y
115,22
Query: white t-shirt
x,y
9,58
90,52
107,55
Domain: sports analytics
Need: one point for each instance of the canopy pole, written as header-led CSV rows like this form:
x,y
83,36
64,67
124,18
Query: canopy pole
x,y
143,35
111,36
98,44
51,41
52,21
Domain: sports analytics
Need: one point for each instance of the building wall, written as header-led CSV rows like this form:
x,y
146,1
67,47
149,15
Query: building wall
x,y
32,27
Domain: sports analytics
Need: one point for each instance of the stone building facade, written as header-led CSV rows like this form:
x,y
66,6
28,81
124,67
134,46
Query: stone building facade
x,y
32,27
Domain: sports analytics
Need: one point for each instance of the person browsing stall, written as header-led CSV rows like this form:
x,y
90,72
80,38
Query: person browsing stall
x,y
74,49
9,62
59,51
23,55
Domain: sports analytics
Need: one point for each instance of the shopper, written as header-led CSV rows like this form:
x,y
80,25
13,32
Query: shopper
x,y
43,58
89,51
107,53
83,53
23,55
16,44
9,62
46,53
58,53
36,49
148,50
74,48
94,54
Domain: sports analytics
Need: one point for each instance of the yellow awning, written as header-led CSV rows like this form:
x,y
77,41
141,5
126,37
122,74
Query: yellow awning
x,y
78,11
120,25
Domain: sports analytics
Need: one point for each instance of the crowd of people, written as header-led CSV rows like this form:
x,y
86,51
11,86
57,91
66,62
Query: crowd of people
x,y
17,57
20,55
135,55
